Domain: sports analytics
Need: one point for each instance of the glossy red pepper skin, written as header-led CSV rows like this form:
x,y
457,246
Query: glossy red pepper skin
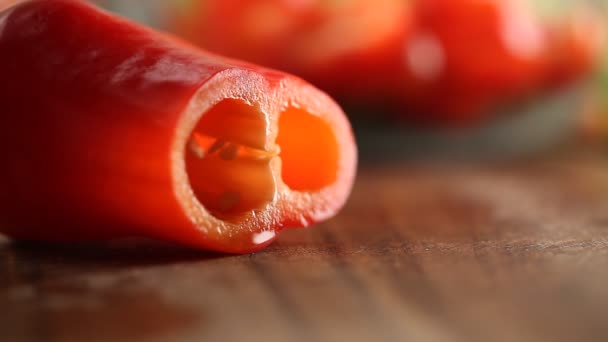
x,y
94,121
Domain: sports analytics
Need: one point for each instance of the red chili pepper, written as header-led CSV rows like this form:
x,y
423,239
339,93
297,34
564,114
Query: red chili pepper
x,y
110,130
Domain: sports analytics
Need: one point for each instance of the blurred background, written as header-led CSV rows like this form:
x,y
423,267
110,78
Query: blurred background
x,y
423,78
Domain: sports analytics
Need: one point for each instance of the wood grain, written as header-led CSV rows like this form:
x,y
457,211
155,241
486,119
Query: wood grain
x,y
433,252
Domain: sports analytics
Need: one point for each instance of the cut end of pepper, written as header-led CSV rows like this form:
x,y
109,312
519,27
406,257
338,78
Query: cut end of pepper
x,y
256,153
231,158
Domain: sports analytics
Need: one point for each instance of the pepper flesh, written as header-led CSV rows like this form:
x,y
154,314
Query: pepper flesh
x,y
108,130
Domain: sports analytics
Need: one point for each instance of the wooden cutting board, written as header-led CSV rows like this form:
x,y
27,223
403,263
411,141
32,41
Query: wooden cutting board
x,y
433,252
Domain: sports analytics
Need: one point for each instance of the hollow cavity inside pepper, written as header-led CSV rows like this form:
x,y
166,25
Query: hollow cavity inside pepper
x,y
234,165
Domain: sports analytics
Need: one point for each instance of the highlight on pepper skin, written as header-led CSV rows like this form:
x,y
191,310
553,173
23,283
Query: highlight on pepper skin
x,y
6,3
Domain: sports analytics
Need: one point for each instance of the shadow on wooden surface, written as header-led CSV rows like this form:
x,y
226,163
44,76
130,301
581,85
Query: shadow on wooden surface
x,y
28,261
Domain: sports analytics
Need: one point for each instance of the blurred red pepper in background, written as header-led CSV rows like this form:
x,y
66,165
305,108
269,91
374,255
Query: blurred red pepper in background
x,y
467,55
438,61
349,48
